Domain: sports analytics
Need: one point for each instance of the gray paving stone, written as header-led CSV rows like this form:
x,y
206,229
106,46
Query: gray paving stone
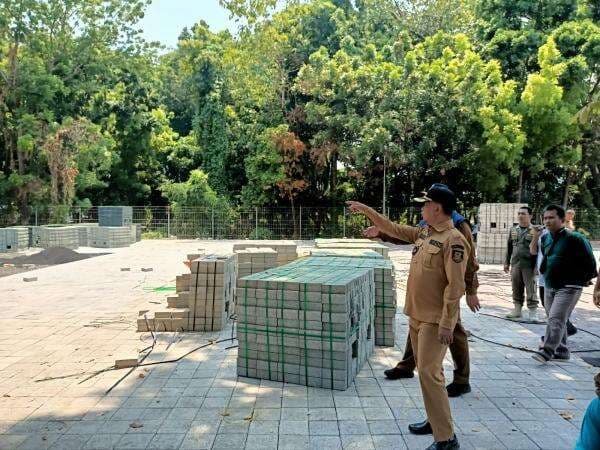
x,y
264,427
261,441
323,428
287,442
102,441
350,414
322,414
68,442
325,443
197,441
378,427
166,441
357,442
389,442
134,441
293,427
351,427
229,441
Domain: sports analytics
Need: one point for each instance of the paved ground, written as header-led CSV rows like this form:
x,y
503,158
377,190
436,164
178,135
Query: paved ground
x,y
77,318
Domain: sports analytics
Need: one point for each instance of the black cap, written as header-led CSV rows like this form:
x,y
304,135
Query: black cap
x,y
439,193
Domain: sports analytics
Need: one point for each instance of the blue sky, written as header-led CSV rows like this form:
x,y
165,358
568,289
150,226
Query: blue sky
x,y
164,19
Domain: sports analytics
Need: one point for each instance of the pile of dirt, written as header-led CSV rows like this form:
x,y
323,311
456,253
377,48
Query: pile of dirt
x,y
50,256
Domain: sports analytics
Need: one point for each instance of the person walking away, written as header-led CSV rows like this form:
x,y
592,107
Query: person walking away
x,y
568,265
521,263
435,284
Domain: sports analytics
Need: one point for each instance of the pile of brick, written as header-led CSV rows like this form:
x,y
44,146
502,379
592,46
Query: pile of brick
x,y
111,237
253,260
55,236
203,301
385,288
495,221
311,325
115,216
13,239
370,245
287,251
345,252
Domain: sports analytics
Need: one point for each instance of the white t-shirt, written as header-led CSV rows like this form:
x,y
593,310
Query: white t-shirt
x,y
540,257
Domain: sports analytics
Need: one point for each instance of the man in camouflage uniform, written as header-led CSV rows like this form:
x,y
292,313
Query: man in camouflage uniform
x,y
521,263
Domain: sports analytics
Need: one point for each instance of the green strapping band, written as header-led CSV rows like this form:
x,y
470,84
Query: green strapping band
x,y
305,348
281,352
311,336
382,313
245,321
267,325
330,339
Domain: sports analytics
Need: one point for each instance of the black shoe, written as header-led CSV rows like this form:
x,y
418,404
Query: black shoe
x,y
458,389
420,428
541,357
450,444
562,356
397,373
571,329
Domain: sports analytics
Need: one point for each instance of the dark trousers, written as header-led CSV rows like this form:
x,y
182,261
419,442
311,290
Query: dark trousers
x,y
459,349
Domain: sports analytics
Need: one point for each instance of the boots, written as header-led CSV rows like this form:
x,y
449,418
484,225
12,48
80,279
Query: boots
x,y
516,313
533,315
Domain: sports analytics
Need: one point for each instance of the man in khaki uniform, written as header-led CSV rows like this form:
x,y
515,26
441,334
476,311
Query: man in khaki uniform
x,y
521,264
436,282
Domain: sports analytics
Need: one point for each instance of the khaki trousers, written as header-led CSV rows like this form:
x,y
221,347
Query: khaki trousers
x,y
429,355
459,349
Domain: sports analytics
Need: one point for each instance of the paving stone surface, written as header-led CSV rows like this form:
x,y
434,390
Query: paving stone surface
x,y
59,335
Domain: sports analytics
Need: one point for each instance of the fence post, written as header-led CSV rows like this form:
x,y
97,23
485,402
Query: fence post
x,y
256,220
36,216
300,220
168,221
212,222
344,223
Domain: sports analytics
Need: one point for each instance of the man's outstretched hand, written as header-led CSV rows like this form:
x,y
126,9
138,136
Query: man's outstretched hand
x,y
371,232
356,207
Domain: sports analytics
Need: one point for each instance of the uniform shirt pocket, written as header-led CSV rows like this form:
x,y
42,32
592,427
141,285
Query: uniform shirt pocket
x,y
433,256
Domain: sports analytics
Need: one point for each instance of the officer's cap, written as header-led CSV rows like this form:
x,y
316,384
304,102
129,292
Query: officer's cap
x,y
438,193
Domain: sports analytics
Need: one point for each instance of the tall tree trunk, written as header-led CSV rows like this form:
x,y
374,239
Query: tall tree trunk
x,y
565,201
520,188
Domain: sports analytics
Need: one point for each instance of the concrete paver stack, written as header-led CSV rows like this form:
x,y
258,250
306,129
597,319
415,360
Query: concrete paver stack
x,y
379,248
495,221
253,260
287,251
306,325
385,289
345,252
206,304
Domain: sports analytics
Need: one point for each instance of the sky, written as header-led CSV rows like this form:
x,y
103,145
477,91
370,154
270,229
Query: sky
x,y
164,19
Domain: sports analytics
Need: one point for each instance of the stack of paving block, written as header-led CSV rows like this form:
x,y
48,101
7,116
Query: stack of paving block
x,y
343,241
84,233
287,251
203,301
305,325
13,239
495,221
253,260
111,237
56,236
115,216
385,288
370,245
345,252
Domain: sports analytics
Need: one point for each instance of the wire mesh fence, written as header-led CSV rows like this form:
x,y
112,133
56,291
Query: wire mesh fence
x,y
275,223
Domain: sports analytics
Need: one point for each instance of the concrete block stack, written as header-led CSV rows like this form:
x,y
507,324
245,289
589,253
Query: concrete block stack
x,y
343,241
253,260
115,216
495,221
111,237
287,251
370,245
13,239
305,325
345,253
204,298
55,236
385,289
